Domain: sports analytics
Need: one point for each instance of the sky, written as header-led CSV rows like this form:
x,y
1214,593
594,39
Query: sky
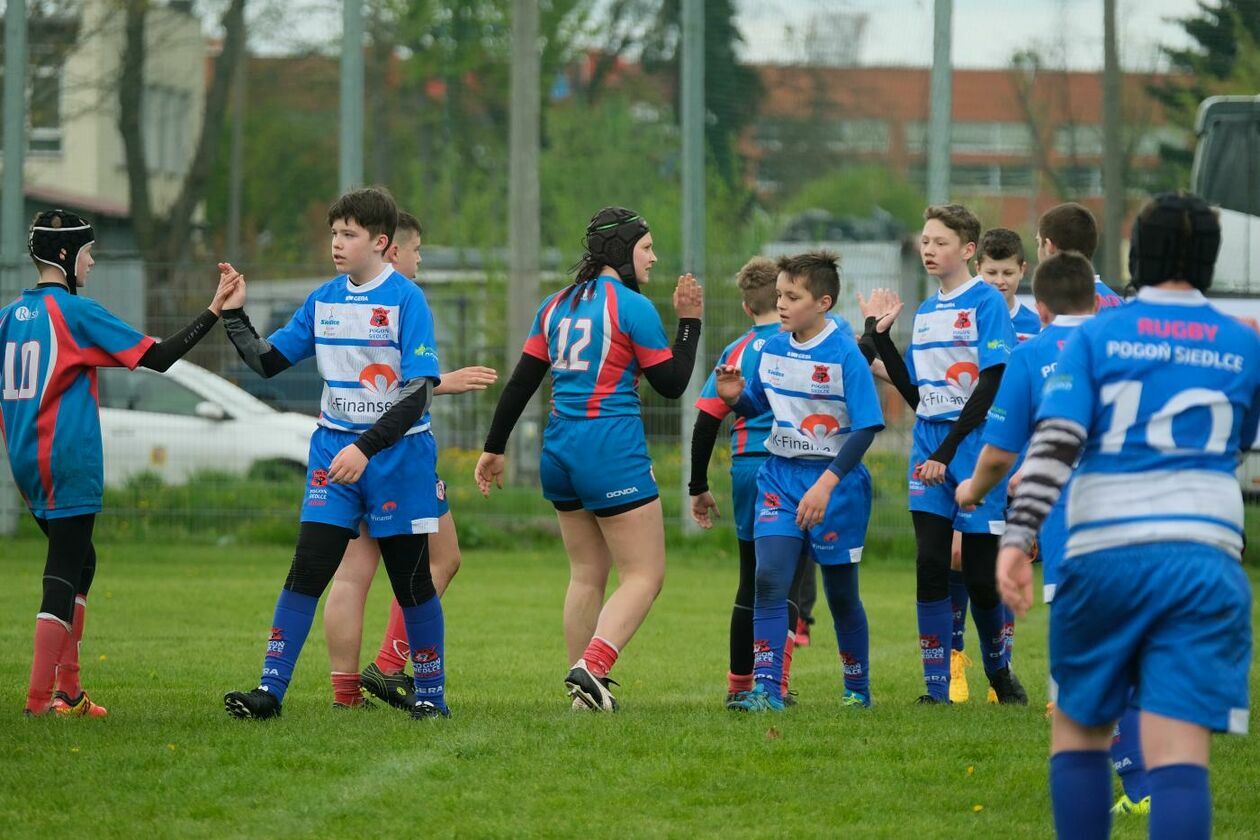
x,y
985,32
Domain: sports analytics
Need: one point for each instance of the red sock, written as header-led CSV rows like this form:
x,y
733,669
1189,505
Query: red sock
x,y
50,637
600,656
346,689
68,662
788,645
738,682
394,651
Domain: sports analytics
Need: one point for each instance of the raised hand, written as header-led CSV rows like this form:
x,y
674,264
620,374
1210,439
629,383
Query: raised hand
x,y
884,305
730,383
472,378
231,291
689,297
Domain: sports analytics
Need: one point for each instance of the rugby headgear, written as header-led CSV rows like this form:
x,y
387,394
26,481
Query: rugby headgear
x,y
610,240
56,238
1176,236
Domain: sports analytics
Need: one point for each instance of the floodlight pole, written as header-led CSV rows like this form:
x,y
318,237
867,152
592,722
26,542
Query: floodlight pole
x,y
12,199
940,119
351,164
1113,151
693,211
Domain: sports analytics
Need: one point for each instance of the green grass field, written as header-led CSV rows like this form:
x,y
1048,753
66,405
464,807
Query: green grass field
x,y
172,627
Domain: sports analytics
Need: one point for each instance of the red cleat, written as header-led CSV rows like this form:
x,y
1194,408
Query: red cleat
x,y
802,633
81,706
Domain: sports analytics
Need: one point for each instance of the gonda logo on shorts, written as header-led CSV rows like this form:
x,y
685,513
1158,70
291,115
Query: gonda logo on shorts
x,y
390,506
378,379
625,491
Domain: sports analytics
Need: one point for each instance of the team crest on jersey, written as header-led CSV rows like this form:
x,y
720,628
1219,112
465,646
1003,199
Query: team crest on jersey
x,y
380,316
821,374
963,321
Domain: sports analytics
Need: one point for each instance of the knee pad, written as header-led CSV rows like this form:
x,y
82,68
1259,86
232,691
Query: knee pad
x,y
315,560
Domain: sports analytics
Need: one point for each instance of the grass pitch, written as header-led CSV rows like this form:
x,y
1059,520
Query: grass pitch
x,y
172,627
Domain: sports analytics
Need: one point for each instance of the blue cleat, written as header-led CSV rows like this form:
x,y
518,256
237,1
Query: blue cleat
x,y
854,700
757,700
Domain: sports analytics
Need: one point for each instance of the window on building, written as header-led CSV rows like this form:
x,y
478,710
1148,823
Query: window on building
x,y
987,138
164,112
43,109
1075,140
859,136
1083,180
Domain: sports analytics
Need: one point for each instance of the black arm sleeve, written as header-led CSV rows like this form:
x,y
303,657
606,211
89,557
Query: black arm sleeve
x,y
972,414
525,380
670,378
703,438
414,398
256,352
894,364
168,351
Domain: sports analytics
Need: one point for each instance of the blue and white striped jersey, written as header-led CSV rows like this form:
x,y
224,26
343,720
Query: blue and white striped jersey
x,y
1168,389
1026,321
367,341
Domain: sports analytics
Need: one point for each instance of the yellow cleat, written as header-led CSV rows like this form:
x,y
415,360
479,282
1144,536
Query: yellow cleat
x,y
1124,805
991,696
82,706
959,662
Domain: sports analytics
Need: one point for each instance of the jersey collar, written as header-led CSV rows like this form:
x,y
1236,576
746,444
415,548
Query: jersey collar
x,y
828,328
1175,297
1015,309
965,287
374,283
1069,320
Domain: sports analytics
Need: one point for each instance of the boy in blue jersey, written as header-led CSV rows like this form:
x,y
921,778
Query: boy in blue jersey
x,y
962,337
51,343
372,456
756,281
343,609
1071,227
815,494
1156,398
595,337
1000,258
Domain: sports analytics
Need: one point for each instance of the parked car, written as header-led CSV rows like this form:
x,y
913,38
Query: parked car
x,y
189,419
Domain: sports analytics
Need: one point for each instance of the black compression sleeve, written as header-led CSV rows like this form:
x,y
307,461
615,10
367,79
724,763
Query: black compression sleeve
x,y
254,351
703,438
401,416
168,351
670,378
525,380
894,364
972,414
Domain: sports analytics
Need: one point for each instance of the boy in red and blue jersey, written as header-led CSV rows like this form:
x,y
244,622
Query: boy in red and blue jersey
x,y
52,341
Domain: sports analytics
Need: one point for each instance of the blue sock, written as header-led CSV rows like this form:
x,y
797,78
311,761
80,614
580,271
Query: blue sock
x,y
990,626
1080,794
776,564
935,627
426,633
1181,802
289,628
1126,756
958,601
840,583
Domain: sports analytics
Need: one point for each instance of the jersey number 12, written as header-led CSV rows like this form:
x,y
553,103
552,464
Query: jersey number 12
x,y
569,356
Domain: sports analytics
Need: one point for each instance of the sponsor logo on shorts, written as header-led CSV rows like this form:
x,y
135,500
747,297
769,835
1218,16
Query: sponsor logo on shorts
x,y
931,649
390,506
319,478
763,656
616,494
830,537
770,500
440,489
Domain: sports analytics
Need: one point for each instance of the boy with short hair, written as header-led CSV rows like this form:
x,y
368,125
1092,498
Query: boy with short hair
x,y
1156,399
1071,227
343,610
51,343
815,492
372,456
961,342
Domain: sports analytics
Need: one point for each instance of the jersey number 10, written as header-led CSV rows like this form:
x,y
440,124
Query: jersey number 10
x,y
1125,397
20,387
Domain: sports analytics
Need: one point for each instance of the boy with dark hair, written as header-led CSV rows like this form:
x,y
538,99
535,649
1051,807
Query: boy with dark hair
x,y
372,456
52,341
385,677
1071,227
1153,403
961,342
815,492
756,281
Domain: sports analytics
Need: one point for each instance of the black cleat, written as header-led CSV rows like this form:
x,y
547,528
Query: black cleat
x,y
1008,688
591,690
929,700
395,689
428,710
255,703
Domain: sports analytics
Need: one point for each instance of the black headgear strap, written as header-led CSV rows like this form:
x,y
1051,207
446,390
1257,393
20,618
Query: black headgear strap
x,y
1175,237
611,237
56,238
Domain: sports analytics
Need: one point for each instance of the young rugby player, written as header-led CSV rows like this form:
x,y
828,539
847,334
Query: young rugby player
x,y
51,343
962,337
1156,399
596,336
343,610
815,493
1071,227
372,456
